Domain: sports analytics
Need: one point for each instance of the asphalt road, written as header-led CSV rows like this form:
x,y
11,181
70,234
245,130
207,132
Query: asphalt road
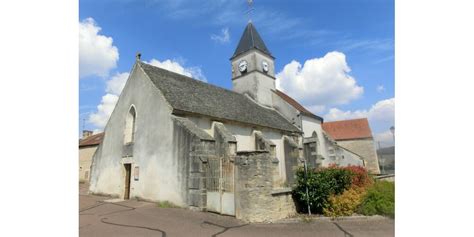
x,y
138,218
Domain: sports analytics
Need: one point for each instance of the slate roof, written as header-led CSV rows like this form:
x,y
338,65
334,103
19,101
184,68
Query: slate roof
x,y
251,40
296,105
93,140
196,97
348,129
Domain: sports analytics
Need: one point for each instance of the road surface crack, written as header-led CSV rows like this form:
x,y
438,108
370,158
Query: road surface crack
x,y
163,233
345,232
225,228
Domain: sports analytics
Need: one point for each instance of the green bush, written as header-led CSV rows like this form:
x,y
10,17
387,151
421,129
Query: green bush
x,y
379,200
321,184
344,204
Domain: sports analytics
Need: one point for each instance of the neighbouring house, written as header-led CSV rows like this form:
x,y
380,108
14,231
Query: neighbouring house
x,y
386,157
173,138
355,135
87,146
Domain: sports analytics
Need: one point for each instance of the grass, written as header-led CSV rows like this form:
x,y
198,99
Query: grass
x,y
306,219
166,204
379,200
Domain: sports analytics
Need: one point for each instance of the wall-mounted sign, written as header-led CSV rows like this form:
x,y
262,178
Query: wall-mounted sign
x,y
136,173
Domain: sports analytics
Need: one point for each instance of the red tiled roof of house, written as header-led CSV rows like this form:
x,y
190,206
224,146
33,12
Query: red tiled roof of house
x,y
348,129
93,140
295,104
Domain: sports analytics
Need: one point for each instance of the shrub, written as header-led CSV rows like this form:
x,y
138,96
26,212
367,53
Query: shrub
x,y
345,204
321,184
360,176
380,199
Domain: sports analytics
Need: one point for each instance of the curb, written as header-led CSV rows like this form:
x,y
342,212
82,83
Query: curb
x,y
325,218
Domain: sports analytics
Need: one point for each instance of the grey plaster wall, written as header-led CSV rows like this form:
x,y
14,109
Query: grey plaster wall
x,y
254,59
366,149
153,149
254,82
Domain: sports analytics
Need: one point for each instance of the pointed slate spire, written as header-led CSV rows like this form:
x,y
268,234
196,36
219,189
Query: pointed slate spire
x,y
251,40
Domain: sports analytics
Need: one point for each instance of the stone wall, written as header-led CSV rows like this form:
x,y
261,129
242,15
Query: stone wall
x,y
194,149
291,159
201,151
85,160
256,198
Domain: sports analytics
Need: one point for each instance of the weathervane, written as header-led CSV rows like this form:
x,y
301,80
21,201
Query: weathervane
x,y
250,3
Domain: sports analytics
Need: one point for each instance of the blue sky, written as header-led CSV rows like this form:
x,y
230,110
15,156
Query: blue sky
x,y
201,36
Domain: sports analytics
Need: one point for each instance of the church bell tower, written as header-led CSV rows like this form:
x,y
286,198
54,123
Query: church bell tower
x,y
253,68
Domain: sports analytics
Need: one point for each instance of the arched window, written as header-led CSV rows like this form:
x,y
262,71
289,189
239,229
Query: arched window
x,y
129,132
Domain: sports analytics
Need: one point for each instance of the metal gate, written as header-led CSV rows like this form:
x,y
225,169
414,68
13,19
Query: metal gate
x,y
220,186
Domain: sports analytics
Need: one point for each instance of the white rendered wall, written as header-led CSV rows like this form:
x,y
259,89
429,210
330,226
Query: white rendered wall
x,y
309,126
153,150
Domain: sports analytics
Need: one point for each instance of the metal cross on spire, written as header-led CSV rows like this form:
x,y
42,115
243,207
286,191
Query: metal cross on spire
x,y
250,9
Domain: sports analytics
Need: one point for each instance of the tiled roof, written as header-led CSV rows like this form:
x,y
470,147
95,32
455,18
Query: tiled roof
x,y
296,105
93,140
192,96
348,129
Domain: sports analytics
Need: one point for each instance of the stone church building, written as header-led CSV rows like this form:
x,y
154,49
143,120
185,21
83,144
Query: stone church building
x,y
173,138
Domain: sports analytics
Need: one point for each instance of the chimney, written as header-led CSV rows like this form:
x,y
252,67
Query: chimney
x,y
86,133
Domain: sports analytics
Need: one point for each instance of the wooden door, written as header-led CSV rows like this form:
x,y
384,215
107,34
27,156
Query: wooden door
x,y
128,169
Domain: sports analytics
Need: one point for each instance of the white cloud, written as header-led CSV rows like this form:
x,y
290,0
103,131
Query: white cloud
x,y
381,115
316,109
320,81
116,83
97,54
223,38
106,107
383,111
174,66
104,110
380,88
337,114
384,139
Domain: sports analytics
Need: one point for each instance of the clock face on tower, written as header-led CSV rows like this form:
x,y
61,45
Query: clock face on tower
x,y
265,66
243,66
